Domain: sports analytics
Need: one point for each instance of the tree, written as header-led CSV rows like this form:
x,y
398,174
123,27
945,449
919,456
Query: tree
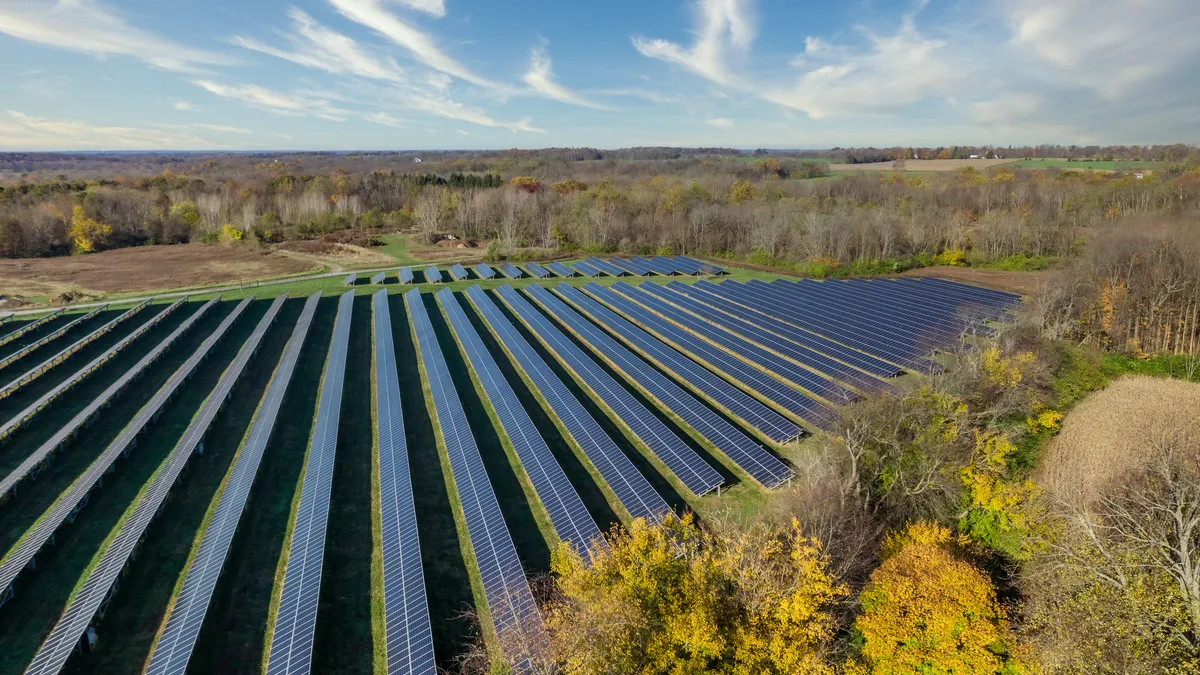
x,y
742,191
87,234
925,611
675,598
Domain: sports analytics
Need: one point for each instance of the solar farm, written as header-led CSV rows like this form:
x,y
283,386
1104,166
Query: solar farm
x,y
332,480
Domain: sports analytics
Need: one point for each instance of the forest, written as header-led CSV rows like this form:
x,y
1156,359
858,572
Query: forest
x,y
933,532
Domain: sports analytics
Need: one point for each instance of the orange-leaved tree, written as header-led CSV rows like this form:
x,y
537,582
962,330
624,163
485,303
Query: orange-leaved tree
x,y
925,611
675,598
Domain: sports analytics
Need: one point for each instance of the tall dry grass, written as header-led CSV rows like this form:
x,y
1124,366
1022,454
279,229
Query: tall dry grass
x,y
1109,436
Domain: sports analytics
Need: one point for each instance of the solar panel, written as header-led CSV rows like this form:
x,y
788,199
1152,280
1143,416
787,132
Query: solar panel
x,y
568,515
732,399
757,381
691,470
814,382
406,275
743,450
378,279
53,654
509,270
432,275
925,331
185,617
513,610
484,272
927,301
409,641
536,271
31,326
350,280
560,269
657,265
765,338
703,267
15,356
636,269
458,272
793,333
606,267
631,488
585,269
296,618
75,496
40,369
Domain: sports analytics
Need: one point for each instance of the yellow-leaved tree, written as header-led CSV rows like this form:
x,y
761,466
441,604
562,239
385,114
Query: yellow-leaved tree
x,y
673,598
925,611
87,234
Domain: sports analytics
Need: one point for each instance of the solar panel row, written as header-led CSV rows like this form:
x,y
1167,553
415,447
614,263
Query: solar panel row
x,y
513,611
606,267
409,641
458,272
510,270
378,279
432,275
75,497
568,515
536,271
755,380
296,617
743,450
631,488
484,272
15,356
53,654
406,275
173,649
350,280
737,402
691,470
661,266
764,338
29,467
560,269
629,267
854,357
29,327
585,269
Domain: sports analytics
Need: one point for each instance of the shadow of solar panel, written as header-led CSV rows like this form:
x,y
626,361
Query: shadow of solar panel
x,y
57,648
296,617
627,483
409,641
173,649
510,601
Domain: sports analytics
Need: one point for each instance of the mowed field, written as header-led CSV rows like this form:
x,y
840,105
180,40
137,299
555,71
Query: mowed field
x,y
708,384
924,165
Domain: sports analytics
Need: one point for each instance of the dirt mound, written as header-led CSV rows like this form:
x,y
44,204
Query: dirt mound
x,y
1111,434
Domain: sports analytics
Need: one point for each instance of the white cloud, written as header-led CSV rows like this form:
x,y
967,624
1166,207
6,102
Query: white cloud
x,y
434,7
373,15
540,78
19,131
294,104
88,27
386,120
453,110
183,106
721,24
894,71
315,46
222,128
720,122
462,132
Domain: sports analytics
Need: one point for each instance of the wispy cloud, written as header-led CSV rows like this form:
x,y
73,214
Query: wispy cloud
x,y
720,122
295,104
386,119
20,131
184,106
540,78
89,27
453,110
315,46
721,25
434,7
374,15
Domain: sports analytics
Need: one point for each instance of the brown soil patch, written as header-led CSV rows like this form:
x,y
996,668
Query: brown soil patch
x,y
1025,283
143,268
334,254
924,165
1111,434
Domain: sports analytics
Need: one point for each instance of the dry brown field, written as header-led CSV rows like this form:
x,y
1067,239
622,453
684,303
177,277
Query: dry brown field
x,y
1025,283
1112,433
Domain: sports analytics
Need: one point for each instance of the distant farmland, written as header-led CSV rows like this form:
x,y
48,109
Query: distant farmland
x,y
924,165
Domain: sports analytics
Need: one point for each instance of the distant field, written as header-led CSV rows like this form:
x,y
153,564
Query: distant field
x,y
1119,165
924,165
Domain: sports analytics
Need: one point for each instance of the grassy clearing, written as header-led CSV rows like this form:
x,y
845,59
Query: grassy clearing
x,y
1085,165
234,632
378,608
43,593
343,642
133,619
447,580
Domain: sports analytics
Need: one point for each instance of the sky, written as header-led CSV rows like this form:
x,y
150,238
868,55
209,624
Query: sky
x,y
444,74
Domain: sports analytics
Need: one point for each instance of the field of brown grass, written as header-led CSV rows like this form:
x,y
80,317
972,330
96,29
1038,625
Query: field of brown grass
x,y
924,165
1025,283
1110,434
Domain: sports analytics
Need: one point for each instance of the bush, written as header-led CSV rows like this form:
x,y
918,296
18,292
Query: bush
x,y
493,252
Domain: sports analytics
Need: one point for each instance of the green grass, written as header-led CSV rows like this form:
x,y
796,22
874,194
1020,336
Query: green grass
x,y
42,593
234,632
397,246
1117,165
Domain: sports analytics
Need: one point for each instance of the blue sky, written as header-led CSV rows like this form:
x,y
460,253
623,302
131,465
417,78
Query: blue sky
x,y
414,74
